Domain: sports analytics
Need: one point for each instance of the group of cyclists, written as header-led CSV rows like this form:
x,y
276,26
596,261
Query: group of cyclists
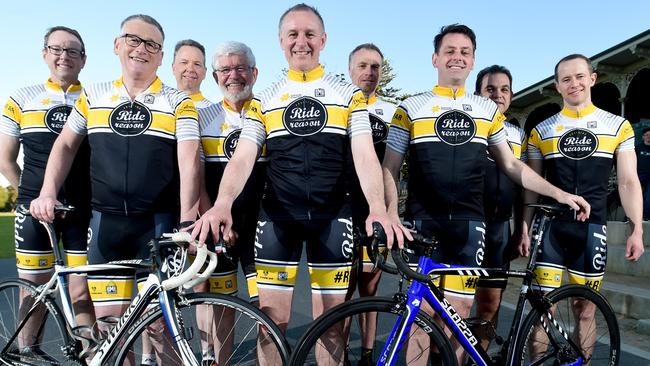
x,y
306,160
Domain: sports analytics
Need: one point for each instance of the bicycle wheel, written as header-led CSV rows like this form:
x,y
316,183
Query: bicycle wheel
x,y
326,343
232,330
44,339
565,339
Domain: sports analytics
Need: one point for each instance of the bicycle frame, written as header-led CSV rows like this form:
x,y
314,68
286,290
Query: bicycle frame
x,y
458,326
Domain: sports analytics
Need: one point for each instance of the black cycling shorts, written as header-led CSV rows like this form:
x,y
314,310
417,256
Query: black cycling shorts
x,y
497,252
578,247
34,252
278,247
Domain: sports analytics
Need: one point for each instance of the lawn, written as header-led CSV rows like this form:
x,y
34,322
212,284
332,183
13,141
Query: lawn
x,y
7,235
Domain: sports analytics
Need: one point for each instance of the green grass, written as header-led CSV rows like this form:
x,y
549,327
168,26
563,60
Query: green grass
x,y
7,235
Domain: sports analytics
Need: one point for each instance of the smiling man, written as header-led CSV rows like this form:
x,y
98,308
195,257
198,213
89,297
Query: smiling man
x,y
447,133
307,120
189,70
577,148
138,130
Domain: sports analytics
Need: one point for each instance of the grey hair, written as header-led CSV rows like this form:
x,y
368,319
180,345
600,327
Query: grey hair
x,y
145,18
233,48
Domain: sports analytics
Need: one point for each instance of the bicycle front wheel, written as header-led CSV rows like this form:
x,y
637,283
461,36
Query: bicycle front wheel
x,y
43,339
217,327
335,338
583,326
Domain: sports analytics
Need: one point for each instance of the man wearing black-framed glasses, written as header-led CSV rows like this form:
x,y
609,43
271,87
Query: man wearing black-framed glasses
x,y
138,130
34,116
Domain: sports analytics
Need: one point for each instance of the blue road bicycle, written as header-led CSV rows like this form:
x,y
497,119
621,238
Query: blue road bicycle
x,y
544,330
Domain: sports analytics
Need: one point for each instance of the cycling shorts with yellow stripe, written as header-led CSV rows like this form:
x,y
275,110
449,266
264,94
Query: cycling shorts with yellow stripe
x,y
278,248
34,252
578,247
462,243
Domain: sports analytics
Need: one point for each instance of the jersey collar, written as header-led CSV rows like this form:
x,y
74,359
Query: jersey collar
x,y
197,97
154,88
243,109
449,92
372,99
578,113
54,86
308,76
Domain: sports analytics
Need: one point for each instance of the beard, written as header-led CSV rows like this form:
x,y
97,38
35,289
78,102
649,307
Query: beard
x,y
245,94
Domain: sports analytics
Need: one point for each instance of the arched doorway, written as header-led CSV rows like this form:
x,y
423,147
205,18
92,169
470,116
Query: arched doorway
x,y
539,114
606,96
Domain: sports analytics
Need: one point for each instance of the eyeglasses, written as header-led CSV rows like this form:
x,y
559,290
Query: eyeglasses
x,y
72,52
135,41
237,69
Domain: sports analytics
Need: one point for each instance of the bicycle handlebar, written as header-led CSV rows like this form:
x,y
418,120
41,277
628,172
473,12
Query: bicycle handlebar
x,y
186,279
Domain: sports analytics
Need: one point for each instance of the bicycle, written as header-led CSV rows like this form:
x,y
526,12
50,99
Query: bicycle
x,y
58,341
541,337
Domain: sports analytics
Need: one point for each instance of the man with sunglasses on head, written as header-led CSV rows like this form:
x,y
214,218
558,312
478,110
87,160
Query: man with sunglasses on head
x,y
139,130
34,117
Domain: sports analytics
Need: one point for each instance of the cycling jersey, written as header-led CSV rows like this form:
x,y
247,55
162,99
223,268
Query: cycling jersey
x,y
499,189
220,127
380,113
36,115
199,101
133,164
306,120
578,148
447,133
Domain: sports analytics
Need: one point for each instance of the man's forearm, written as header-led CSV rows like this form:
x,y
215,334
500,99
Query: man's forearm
x,y
11,171
190,177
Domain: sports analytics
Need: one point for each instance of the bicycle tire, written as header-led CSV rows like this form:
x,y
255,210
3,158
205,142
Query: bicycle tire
x,y
248,321
558,350
49,343
388,311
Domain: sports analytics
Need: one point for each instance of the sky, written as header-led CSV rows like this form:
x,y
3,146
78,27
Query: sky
x,y
528,37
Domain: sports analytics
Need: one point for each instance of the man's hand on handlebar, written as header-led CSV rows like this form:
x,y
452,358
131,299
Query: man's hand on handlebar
x,y
42,208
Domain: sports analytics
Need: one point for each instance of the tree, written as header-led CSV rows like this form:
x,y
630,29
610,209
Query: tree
x,y
4,198
387,75
13,196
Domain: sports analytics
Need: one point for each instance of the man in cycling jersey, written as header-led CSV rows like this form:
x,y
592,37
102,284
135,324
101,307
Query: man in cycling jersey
x,y
34,116
576,149
306,121
235,72
189,70
447,133
495,82
365,69
138,130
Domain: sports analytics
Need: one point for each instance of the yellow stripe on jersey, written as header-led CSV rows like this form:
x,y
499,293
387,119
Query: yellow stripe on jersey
x,y
213,146
163,122
34,261
223,283
330,279
359,102
118,289
336,117
279,275
33,119
82,105
97,117
186,109
401,119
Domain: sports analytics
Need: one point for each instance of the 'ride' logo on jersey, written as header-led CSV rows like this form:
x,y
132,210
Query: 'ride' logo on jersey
x,y
455,127
379,129
55,117
230,143
130,119
304,116
578,144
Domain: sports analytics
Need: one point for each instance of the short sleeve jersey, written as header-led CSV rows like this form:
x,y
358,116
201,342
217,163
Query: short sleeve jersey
x,y
306,120
578,149
36,115
499,189
200,101
220,127
446,133
133,164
